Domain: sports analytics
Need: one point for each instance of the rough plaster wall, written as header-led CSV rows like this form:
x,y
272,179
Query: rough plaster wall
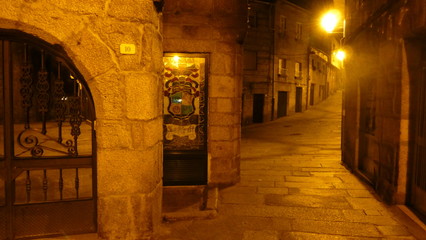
x,y
215,27
126,91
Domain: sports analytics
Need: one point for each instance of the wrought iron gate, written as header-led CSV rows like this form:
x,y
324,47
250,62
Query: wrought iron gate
x,y
47,173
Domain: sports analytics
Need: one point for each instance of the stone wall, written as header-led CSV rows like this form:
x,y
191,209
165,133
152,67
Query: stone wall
x,y
293,49
127,95
215,27
258,71
382,68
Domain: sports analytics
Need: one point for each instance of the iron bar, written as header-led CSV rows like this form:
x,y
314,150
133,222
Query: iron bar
x,y
77,184
28,186
26,89
45,185
43,92
61,184
60,107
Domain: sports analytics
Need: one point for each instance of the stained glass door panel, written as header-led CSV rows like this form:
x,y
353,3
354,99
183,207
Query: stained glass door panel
x,y
185,120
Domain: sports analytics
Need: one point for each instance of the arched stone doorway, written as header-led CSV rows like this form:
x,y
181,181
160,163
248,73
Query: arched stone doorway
x,y
47,150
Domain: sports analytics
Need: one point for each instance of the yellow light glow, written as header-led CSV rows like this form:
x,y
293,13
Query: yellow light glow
x,y
340,54
330,20
176,58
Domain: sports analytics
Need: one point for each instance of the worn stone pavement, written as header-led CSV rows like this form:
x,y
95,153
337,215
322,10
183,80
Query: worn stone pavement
x,y
294,187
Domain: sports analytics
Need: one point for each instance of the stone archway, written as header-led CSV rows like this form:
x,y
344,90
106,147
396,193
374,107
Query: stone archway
x,y
126,90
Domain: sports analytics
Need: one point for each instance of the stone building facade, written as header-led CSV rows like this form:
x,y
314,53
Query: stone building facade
x,y
211,30
292,33
275,67
383,120
258,80
287,60
95,71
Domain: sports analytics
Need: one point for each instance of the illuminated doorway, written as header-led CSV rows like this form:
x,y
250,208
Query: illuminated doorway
x,y
185,119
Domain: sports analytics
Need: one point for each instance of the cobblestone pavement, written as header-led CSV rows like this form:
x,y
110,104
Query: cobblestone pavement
x,y
294,187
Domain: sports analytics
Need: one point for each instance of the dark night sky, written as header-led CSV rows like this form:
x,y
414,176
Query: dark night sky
x,y
310,4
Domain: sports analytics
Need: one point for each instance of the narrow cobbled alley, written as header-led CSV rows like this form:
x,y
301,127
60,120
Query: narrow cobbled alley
x,y
293,186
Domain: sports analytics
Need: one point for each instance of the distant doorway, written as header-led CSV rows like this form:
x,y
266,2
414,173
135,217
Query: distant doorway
x,y
282,103
258,103
299,91
312,95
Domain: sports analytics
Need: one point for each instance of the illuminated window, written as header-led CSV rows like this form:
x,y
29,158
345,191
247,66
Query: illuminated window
x,y
282,67
298,70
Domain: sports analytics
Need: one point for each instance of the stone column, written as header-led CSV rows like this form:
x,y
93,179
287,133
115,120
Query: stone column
x,y
215,27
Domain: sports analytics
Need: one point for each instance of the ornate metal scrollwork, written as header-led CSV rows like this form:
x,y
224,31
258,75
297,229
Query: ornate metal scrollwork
x,y
42,87
75,121
26,90
36,143
59,102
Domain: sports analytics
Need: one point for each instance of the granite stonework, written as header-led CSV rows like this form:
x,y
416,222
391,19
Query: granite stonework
x,y
126,90
216,28
385,41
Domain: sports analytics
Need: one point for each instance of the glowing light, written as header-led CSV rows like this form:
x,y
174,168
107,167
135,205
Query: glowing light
x,y
330,20
176,58
340,54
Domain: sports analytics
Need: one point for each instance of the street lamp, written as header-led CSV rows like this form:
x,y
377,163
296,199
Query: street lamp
x,y
330,21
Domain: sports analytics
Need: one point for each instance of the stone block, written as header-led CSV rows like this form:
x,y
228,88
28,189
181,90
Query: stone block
x,y
196,32
179,18
317,201
226,177
395,230
221,88
128,172
133,11
113,134
225,105
221,149
195,6
226,47
228,7
142,93
222,64
146,134
220,133
129,217
113,33
109,87
221,118
261,235
152,50
187,45
81,7
366,203
333,227
113,219
172,31
90,54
